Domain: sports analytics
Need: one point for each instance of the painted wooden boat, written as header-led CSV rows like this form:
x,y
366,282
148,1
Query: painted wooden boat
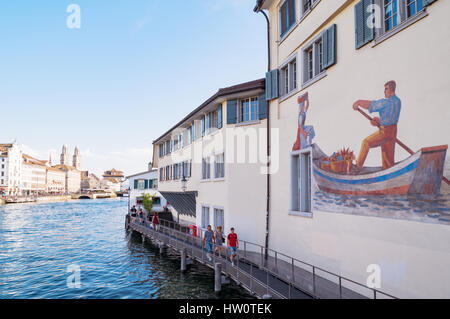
x,y
421,173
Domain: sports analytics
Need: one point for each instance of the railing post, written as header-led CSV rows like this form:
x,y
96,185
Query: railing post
x,y
289,294
340,287
262,258
276,261
245,249
374,294
183,260
314,281
251,277
293,276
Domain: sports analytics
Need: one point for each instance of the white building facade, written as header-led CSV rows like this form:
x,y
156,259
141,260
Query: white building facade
x,y
326,59
146,183
11,168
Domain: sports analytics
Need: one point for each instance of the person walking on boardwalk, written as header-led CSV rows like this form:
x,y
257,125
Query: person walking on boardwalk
x,y
208,242
232,244
389,110
218,239
155,221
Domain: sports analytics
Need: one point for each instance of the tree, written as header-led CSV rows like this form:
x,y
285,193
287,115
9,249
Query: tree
x,y
147,202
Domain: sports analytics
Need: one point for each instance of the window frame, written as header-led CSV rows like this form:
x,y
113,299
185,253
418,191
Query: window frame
x,y
217,166
381,34
304,12
289,71
316,47
222,209
296,205
282,34
206,175
202,222
250,113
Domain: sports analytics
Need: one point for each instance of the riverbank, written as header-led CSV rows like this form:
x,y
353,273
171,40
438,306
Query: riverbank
x,y
56,199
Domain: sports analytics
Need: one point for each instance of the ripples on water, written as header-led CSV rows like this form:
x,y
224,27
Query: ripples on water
x,y
39,241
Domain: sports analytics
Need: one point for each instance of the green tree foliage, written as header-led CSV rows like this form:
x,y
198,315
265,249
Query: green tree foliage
x,y
147,202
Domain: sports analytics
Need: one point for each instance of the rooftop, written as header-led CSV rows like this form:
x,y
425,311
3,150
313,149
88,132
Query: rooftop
x,y
228,91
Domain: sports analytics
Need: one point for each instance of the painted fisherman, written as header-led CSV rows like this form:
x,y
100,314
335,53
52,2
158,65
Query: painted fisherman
x,y
305,133
389,110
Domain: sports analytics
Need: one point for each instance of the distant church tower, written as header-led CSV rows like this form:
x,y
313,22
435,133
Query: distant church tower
x,y
64,156
77,158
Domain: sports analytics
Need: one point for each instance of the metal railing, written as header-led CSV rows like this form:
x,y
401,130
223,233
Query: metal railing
x,y
254,262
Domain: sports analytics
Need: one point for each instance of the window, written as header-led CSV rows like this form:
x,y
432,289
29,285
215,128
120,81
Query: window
x,y
287,16
312,60
205,216
307,5
413,6
175,171
156,201
218,218
248,110
395,16
155,183
219,166
161,174
206,168
288,77
390,14
301,181
187,165
141,184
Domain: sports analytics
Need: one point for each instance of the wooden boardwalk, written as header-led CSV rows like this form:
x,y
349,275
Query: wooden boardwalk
x,y
272,277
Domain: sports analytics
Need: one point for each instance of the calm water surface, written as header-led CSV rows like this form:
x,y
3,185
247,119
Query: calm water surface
x,y
38,242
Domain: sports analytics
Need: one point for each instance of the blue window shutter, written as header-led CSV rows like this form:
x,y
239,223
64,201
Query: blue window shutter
x,y
269,85
363,33
150,183
272,85
203,125
291,13
135,184
231,111
283,18
146,184
331,47
325,50
262,105
219,117
428,2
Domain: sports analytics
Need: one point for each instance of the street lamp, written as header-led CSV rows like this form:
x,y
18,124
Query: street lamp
x,y
183,183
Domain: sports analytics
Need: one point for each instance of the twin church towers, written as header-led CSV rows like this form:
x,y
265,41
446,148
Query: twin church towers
x,y
65,157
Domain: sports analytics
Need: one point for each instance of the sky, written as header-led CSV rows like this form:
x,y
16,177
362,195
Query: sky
x,y
131,71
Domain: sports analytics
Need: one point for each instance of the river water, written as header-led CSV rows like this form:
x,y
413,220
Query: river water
x,y
42,247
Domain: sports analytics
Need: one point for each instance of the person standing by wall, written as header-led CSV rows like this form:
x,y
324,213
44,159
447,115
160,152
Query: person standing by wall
x,y
233,245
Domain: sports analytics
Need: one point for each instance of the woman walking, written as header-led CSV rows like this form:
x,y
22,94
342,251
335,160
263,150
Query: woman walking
x,y
155,221
218,239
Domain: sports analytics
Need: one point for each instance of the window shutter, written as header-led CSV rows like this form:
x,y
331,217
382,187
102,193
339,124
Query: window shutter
x,y
203,125
283,18
219,117
146,184
291,13
150,183
135,184
428,2
329,47
269,86
272,85
363,33
262,106
231,111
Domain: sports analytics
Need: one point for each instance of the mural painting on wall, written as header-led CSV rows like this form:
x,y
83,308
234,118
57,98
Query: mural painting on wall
x,y
409,189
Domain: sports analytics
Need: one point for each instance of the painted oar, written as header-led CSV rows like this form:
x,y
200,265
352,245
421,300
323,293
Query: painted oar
x,y
410,151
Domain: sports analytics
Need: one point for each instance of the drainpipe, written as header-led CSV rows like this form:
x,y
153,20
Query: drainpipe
x,y
266,252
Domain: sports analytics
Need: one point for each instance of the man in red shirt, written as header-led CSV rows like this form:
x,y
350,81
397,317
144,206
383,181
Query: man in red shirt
x,y
232,244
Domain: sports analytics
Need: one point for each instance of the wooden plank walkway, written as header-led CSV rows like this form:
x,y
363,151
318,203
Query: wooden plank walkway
x,y
262,277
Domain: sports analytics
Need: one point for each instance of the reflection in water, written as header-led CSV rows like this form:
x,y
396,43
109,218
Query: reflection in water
x,y
39,241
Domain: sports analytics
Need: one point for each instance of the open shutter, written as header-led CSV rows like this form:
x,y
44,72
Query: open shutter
x,y
150,183
262,105
231,111
283,18
363,33
291,13
272,84
135,184
329,47
219,117
146,184
428,2
203,125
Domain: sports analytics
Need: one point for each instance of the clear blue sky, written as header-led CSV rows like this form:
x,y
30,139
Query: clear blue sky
x,y
132,70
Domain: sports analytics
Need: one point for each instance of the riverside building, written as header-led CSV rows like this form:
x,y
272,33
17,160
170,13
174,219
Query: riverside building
x,y
209,164
331,204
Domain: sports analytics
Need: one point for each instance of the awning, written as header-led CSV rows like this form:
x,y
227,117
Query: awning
x,y
183,202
